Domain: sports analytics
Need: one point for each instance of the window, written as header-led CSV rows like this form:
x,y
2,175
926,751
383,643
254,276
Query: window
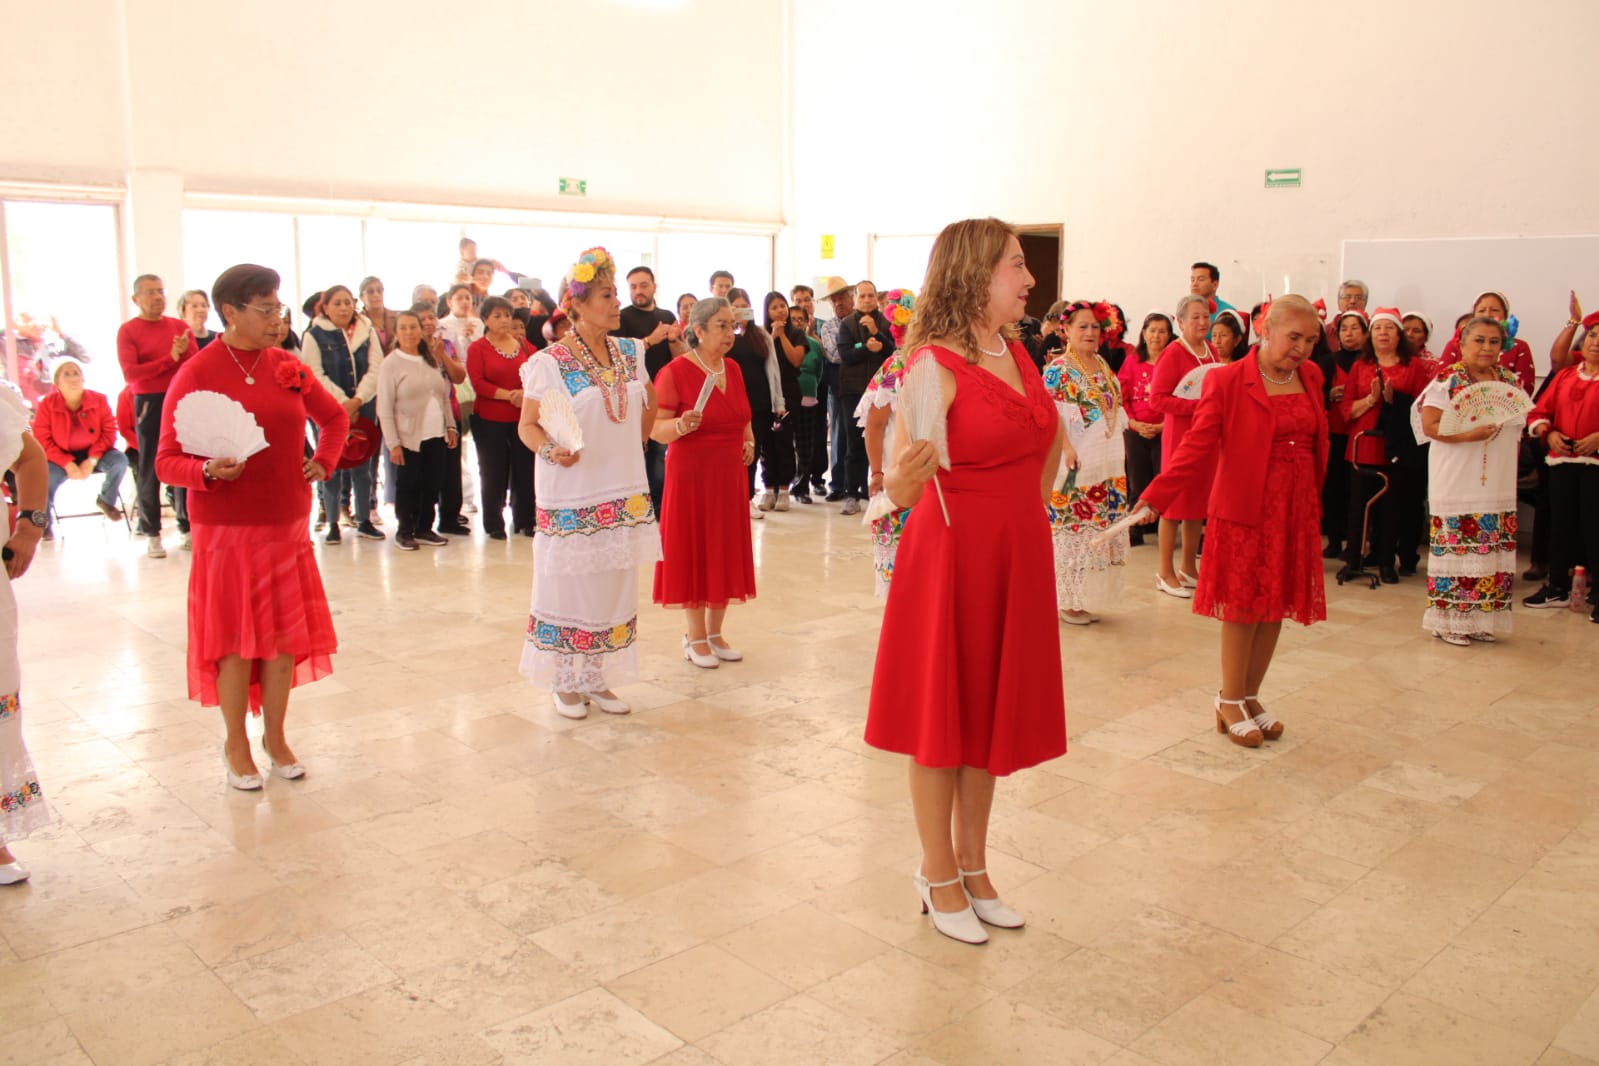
x,y
688,259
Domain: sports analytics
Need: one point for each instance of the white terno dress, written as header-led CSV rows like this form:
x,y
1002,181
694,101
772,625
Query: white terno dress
x,y
1089,572
22,805
596,527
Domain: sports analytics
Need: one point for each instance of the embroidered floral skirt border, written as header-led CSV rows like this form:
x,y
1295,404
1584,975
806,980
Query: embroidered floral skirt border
x,y
22,805
1471,562
581,631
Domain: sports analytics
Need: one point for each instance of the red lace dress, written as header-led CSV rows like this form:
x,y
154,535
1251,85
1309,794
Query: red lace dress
x,y
706,556
968,661
1273,570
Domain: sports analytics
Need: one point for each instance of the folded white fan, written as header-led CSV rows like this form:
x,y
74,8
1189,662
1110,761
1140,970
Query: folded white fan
x,y
921,404
214,426
558,418
1193,383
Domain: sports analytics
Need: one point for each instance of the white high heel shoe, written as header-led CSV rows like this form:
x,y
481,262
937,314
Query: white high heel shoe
x,y
1176,590
242,782
726,652
291,772
993,912
704,662
962,925
576,710
608,702
14,873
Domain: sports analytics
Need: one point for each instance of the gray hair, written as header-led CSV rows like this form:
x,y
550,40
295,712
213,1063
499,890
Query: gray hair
x,y
1484,320
416,293
1353,283
1183,304
704,311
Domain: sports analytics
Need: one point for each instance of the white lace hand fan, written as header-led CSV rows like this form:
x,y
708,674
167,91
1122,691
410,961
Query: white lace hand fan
x,y
558,418
1193,383
214,426
1487,403
921,405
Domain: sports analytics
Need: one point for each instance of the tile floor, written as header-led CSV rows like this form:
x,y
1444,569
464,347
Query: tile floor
x,y
1411,876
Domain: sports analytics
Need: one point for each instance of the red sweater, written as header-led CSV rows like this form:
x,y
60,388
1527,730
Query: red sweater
x,y
488,370
144,349
272,488
125,423
1570,404
60,431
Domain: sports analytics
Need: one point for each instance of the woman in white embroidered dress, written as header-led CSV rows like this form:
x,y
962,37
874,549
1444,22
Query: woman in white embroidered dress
x,y
1087,394
595,522
22,805
1471,479
875,415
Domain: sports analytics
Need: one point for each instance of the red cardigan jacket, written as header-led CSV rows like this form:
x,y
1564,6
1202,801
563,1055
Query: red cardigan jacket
x,y
52,425
1235,398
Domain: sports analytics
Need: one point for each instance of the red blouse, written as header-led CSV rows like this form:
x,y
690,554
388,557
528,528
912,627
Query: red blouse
x,y
1410,378
488,370
1136,379
1570,404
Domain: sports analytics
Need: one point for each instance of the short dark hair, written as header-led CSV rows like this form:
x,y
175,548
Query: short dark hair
x,y
721,274
1210,268
735,292
423,307
1144,354
238,285
796,290
457,287
142,278
641,270
491,304
482,263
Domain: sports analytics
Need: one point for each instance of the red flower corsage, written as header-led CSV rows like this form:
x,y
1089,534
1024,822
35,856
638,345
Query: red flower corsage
x,y
291,375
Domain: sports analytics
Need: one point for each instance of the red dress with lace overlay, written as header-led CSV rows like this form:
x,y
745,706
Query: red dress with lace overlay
x,y
968,661
1272,570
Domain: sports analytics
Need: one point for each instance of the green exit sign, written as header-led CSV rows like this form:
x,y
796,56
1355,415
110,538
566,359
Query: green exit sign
x,y
574,187
1284,178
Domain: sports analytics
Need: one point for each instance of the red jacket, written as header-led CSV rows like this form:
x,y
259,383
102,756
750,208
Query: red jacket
x,y
53,425
1570,404
1235,397
125,423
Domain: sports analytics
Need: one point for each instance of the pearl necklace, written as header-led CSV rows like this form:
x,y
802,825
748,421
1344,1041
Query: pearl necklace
x,y
249,375
609,380
1208,357
1261,363
1003,350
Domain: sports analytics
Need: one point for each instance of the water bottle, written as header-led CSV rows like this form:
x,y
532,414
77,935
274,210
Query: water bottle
x,y
1579,589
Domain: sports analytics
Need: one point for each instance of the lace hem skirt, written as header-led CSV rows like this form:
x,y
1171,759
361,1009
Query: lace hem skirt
x,y
22,805
581,631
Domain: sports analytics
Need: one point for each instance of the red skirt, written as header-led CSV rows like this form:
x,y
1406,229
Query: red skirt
x,y
707,559
255,592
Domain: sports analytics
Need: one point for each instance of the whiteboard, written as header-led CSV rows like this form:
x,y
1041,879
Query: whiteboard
x,y
1440,278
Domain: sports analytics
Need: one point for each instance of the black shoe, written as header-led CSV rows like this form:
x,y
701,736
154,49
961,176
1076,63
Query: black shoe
x,y
367,531
405,542
524,531
1346,573
497,536
454,530
802,497
1370,560
834,497
333,536
427,536
1548,597
1333,550
1386,573
1535,572
1408,569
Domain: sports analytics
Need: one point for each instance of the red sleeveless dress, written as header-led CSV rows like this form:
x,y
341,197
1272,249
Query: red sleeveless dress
x,y
968,661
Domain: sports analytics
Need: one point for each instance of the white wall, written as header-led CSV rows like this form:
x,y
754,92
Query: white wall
x,y
1145,126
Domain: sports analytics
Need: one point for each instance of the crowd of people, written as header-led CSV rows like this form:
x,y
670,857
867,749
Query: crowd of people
x,y
1254,446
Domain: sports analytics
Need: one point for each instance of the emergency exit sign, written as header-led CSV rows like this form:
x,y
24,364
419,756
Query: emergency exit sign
x,y
1289,178
574,187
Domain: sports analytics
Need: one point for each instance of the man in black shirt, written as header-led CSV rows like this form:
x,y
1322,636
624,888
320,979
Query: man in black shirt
x,y
644,321
864,345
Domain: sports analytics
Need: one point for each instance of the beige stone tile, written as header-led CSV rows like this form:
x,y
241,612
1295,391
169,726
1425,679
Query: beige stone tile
x,y
56,924
387,1024
1424,783
45,1041
258,1047
474,861
1003,1030
1299,994
699,991
104,972
637,864
1407,1031
23,992
417,938
230,932
1580,1035
543,895
155,1022
924,997
490,987
1011,957
1559,1057
799,1032
1208,1032
1534,997
276,984
802,945
1043,841
590,1027
1113,999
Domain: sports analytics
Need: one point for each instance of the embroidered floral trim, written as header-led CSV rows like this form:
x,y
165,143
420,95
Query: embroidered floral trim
x,y
1088,509
596,517
577,377
576,640
1482,533
9,705
1490,592
886,532
25,793
1097,398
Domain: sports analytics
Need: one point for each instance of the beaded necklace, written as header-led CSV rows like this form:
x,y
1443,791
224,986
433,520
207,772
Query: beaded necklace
x,y
610,382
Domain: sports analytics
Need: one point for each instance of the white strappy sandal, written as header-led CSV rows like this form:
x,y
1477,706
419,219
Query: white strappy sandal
x,y
1270,728
1246,734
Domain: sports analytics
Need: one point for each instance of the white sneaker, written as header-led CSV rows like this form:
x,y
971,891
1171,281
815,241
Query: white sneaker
x,y
756,513
187,544
782,500
767,500
154,550
851,506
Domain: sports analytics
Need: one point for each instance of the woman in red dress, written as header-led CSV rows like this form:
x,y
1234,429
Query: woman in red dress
x,y
1191,349
707,561
1263,549
258,618
968,679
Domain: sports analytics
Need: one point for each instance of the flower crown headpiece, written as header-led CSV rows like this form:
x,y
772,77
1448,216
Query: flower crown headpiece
x,y
589,265
898,305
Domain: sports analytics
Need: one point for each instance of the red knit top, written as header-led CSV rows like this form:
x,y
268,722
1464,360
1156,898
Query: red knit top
x,y
488,370
144,349
272,488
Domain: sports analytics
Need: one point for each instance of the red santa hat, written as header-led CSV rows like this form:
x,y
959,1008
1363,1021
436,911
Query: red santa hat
x,y
1387,314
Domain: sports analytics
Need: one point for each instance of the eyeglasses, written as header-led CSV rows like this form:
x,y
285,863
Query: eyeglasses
x,y
274,311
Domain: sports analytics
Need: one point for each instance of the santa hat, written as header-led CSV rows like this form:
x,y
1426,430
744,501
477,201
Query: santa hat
x,y
1424,320
1491,292
1387,314
1365,319
1591,321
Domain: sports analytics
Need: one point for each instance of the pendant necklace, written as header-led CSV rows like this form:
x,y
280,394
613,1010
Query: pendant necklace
x,y
249,375
610,382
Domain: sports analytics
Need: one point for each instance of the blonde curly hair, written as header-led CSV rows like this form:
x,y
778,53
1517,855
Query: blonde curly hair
x,y
954,295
